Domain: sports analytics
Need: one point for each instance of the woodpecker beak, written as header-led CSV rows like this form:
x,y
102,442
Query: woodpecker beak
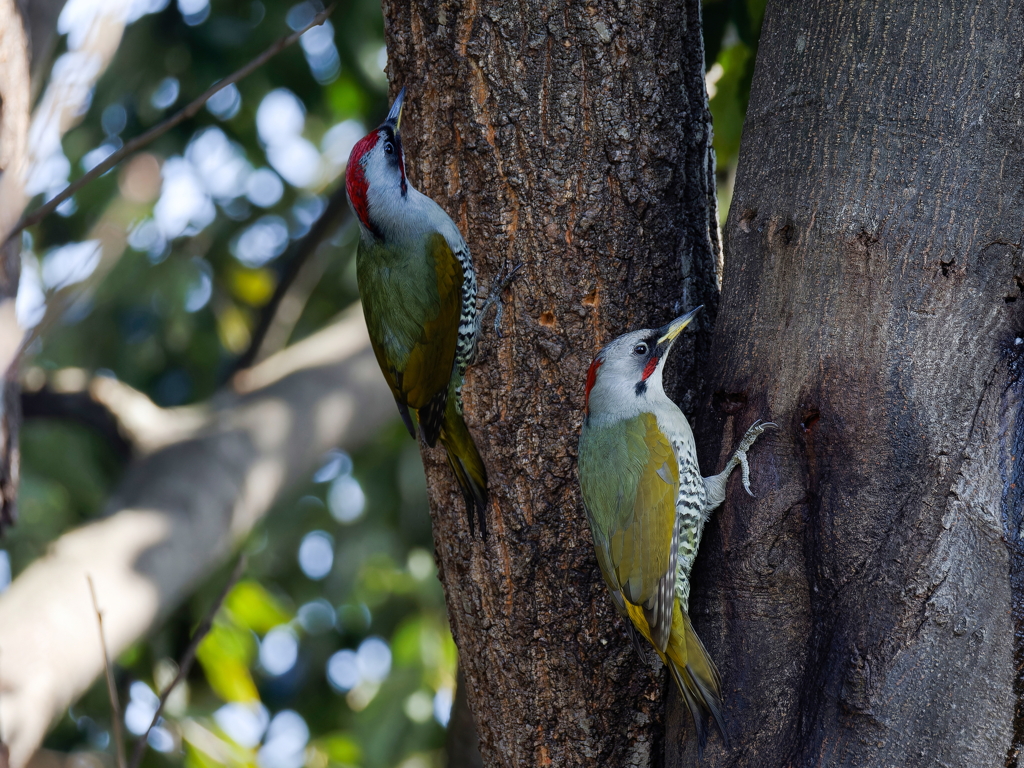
x,y
395,115
673,329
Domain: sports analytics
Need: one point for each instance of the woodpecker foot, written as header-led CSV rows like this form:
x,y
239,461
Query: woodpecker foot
x,y
740,456
716,483
506,276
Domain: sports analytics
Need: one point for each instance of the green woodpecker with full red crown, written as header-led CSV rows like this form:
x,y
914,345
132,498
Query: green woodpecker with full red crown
x,y
647,504
419,296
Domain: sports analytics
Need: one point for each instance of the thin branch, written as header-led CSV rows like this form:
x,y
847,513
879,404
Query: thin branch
x,y
188,658
159,130
332,218
115,707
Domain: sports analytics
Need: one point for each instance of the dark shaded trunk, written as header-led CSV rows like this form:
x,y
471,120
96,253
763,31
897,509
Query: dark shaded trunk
x,y
572,137
461,741
866,610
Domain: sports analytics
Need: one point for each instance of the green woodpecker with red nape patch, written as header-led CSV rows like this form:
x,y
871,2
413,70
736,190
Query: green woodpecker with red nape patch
x,y
647,504
419,295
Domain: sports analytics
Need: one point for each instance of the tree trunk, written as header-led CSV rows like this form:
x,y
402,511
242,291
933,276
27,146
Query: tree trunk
x,y
572,137
866,609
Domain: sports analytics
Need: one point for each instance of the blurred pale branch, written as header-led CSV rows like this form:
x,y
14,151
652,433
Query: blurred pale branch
x,y
14,94
108,669
14,126
160,129
79,406
177,515
129,421
187,659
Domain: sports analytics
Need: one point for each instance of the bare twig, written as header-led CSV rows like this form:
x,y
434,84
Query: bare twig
x,y
188,658
159,130
115,707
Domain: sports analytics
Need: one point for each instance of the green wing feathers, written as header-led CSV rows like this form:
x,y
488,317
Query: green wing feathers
x,y
412,302
629,477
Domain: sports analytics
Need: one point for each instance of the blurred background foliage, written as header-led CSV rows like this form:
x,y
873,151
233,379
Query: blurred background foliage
x,y
731,31
334,649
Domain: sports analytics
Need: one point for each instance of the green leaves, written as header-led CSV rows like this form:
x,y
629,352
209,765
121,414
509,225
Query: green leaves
x,y
731,32
225,655
251,606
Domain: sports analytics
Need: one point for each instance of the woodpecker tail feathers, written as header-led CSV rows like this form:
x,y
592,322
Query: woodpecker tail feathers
x,y
465,461
403,410
697,677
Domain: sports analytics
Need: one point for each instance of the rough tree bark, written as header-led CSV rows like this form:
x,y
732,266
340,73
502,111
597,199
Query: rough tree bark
x,y
868,609
571,136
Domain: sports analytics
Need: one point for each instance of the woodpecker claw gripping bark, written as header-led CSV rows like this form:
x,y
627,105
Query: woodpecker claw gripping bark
x,y
494,297
647,504
419,294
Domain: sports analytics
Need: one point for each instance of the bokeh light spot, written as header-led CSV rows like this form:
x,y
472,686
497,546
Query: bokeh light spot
x,y
419,706
201,289
243,723
346,499
343,670
5,570
71,263
264,187
261,242
336,462
114,119
420,564
316,554
317,616
142,705
225,103
166,93
374,659
161,739
194,12
280,116
279,650
443,706
285,746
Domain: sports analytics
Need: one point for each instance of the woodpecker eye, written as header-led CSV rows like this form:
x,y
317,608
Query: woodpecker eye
x,y
389,148
640,349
